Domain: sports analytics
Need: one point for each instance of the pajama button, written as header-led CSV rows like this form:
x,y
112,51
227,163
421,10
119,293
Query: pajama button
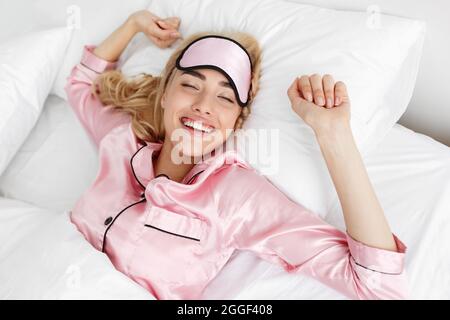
x,y
108,221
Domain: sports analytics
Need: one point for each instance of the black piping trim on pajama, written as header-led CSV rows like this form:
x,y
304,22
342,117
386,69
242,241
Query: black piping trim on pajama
x,y
140,201
165,175
112,222
389,273
89,68
143,200
161,175
194,176
174,234
131,164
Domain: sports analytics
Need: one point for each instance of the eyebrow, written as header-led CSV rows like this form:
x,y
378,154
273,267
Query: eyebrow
x,y
202,77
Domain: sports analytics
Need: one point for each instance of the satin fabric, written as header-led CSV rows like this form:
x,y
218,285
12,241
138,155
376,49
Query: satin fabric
x,y
174,238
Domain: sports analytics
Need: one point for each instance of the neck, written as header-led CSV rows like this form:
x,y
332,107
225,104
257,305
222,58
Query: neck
x,y
164,164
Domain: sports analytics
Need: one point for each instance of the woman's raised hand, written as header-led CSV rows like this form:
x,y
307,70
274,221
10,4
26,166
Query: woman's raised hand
x,y
322,104
162,32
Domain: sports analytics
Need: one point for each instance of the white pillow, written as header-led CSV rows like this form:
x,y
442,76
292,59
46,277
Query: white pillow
x,y
56,163
379,65
92,22
43,256
303,39
28,67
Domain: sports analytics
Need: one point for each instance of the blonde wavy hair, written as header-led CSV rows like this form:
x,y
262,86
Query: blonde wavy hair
x,y
140,96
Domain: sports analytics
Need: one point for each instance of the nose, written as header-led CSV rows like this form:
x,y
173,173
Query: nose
x,y
203,106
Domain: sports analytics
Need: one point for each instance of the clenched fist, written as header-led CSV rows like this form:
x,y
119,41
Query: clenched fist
x,y
320,102
162,32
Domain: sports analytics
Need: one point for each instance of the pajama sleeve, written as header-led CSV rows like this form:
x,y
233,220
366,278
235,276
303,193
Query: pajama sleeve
x,y
96,118
284,232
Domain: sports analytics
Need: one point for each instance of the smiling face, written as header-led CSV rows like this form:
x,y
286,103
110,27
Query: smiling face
x,y
200,111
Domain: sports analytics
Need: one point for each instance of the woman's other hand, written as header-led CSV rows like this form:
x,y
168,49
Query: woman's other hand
x,y
323,104
162,32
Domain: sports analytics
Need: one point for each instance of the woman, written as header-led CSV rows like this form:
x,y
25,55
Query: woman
x,y
171,221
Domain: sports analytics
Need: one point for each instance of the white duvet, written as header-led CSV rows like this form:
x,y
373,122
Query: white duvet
x,y
43,256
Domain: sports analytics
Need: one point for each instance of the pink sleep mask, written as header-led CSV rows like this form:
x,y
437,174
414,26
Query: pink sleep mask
x,y
224,55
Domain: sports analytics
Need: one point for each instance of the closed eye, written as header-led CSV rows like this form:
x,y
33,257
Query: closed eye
x,y
229,100
188,85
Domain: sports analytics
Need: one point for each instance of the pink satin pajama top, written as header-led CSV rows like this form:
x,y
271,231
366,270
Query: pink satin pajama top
x,y
174,238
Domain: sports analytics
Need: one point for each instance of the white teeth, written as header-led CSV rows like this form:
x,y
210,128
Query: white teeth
x,y
197,125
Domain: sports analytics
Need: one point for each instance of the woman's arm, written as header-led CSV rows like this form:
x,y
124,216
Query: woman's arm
x,y
325,106
281,231
113,46
163,32
96,118
363,214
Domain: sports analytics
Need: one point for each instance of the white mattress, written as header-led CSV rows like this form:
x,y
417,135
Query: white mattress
x,y
43,256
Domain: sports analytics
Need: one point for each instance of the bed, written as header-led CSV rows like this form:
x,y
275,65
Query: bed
x,y
43,256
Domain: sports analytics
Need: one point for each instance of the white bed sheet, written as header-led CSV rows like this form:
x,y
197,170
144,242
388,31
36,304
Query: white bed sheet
x,y
43,255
